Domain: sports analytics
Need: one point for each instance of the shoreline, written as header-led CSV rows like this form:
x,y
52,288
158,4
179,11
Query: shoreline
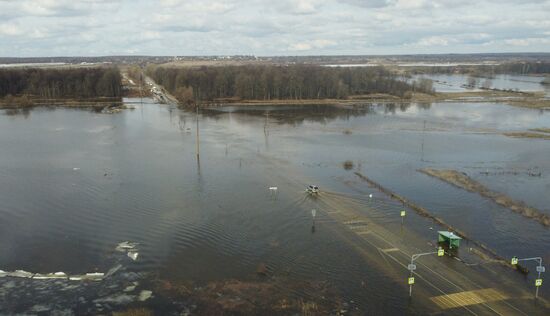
x,y
523,100
531,100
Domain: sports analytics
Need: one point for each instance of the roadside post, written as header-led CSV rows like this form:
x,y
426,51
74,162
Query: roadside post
x,y
313,214
411,267
540,269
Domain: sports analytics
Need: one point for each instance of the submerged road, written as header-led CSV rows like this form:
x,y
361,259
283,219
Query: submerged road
x,y
442,284
450,285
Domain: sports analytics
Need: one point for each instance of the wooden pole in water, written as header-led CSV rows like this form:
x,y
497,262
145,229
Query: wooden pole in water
x,y
198,139
423,132
313,214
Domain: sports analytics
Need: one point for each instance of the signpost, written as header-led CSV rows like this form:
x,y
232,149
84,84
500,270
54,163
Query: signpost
x,y
540,269
411,267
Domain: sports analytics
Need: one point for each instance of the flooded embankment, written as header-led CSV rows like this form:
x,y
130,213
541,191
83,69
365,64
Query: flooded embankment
x,y
483,252
462,181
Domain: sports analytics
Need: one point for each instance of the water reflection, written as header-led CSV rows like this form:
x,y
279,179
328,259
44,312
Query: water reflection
x,y
299,114
18,112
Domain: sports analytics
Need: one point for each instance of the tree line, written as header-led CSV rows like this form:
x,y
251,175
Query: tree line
x,y
281,82
75,83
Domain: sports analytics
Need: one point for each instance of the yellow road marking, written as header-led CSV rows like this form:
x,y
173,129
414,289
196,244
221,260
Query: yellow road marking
x,y
355,222
467,298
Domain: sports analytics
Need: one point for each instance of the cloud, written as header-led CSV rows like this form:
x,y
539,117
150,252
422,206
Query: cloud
x,y
370,3
10,29
309,45
266,27
527,41
435,41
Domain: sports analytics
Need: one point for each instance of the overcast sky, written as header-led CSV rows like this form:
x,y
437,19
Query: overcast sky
x,y
271,27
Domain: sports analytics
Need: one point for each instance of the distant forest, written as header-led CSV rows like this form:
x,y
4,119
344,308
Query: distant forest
x,y
281,82
76,83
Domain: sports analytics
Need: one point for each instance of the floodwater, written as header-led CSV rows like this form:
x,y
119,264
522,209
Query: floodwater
x,y
456,82
74,183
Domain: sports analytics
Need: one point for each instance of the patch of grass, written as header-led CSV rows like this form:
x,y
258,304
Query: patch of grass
x,y
308,308
16,101
540,130
527,135
134,312
348,165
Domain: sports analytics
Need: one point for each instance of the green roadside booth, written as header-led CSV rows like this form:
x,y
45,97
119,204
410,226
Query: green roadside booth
x,y
449,238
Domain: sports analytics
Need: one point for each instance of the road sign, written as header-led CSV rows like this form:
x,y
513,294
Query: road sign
x,y
440,252
411,280
313,212
538,282
541,269
514,260
403,213
411,267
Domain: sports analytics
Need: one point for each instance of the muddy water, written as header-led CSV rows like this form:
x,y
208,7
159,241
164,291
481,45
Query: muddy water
x,y
74,183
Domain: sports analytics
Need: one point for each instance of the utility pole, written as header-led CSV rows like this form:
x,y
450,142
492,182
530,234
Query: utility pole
x,y
313,214
197,103
198,139
422,149
266,132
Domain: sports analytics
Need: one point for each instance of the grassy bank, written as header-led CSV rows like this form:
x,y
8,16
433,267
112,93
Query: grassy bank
x,y
526,100
541,130
528,135
25,102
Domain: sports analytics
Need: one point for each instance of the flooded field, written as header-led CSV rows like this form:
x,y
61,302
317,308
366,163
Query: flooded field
x,y
456,83
75,184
